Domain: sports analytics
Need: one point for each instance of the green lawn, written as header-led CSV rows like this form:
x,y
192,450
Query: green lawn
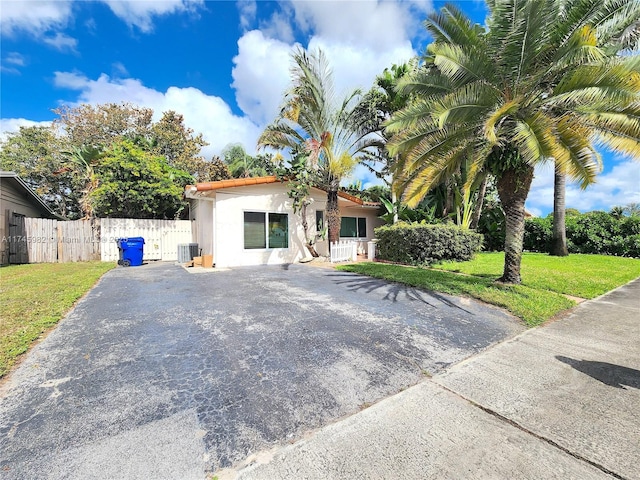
x,y
584,276
35,297
545,279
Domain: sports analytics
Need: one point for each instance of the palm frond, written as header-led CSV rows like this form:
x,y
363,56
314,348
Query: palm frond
x,y
451,25
498,115
535,138
579,159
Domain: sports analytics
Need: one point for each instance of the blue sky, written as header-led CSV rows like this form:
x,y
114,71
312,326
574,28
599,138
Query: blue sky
x,y
224,65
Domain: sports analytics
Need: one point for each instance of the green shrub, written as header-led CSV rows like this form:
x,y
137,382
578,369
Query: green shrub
x,y
593,233
538,234
493,226
421,244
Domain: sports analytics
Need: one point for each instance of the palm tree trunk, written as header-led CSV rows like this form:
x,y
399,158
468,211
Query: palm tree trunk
x,y
513,188
333,215
559,239
475,218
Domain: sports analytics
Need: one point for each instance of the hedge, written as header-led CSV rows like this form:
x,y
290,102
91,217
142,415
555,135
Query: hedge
x,y
422,244
593,232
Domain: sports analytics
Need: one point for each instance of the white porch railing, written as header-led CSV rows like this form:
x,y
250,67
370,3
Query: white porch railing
x,y
344,251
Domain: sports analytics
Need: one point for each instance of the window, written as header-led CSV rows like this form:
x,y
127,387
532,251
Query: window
x,y
319,220
278,230
353,227
266,230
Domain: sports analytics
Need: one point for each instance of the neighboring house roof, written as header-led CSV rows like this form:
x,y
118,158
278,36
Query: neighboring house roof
x,y
242,182
21,185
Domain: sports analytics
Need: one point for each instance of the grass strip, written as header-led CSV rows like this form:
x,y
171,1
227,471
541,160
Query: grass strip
x,y
532,305
584,276
35,297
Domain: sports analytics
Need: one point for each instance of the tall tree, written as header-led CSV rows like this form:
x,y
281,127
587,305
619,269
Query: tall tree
x,y
613,34
34,153
243,165
133,183
99,125
533,86
209,171
315,121
176,142
377,105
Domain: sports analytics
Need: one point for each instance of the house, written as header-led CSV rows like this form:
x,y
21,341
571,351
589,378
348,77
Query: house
x,y
250,221
17,201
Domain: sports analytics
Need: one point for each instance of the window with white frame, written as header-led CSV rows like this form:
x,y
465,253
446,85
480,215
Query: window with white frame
x,y
355,227
266,230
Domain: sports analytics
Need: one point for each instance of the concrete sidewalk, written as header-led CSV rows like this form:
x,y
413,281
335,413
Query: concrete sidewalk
x,y
560,401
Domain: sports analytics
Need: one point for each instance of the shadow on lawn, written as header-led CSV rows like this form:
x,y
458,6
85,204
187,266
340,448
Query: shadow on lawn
x,y
393,289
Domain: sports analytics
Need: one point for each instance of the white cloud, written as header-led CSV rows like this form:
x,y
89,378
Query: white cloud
x,y
33,16
278,26
360,40
140,13
9,125
618,186
357,66
369,23
205,114
61,42
260,75
11,62
14,58
119,70
45,20
248,10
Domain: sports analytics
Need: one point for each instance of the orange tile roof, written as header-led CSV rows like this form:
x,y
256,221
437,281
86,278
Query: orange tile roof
x,y
233,182
242,182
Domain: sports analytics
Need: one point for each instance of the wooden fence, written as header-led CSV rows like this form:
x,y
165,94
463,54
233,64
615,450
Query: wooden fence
x,y
51,241
161,237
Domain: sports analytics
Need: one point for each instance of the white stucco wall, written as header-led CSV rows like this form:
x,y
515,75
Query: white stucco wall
x,y
231,203
220,224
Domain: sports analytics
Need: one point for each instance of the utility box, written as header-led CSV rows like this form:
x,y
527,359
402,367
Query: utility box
x,y
187,251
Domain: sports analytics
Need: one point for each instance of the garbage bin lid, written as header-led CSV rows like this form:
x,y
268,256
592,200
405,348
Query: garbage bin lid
x,y
131,239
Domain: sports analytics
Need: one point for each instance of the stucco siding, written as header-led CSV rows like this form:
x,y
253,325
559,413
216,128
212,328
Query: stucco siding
x,y
219,219
231,204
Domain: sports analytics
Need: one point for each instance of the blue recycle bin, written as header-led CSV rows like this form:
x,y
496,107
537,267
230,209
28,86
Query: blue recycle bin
x,y
131,251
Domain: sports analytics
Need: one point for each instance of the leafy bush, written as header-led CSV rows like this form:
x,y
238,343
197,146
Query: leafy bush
x,y
538,234
594,233
421,244
492,226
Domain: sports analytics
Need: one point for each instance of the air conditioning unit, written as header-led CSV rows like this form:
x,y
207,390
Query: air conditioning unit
x,y
186,252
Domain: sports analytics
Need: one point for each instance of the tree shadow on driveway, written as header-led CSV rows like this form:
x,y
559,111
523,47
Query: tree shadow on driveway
x,y
358,283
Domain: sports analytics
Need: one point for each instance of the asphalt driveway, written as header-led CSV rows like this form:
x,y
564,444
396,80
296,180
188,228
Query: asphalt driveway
x,y
160,373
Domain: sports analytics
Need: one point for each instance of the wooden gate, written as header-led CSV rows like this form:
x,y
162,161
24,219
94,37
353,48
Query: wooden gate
x,y
17,239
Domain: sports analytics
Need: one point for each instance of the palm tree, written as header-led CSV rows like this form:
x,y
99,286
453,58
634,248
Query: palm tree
x,y
614,33
314,121
82,162
533,87
377,106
